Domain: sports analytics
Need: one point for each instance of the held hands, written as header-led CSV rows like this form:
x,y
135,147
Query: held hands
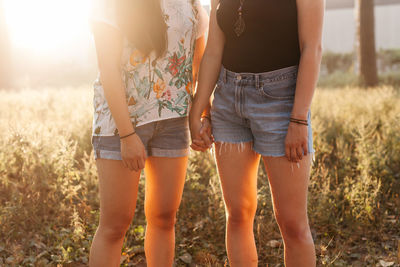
x,y
296,142
200,131
133,153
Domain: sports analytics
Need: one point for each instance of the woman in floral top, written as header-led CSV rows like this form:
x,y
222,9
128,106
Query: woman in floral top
x,y
148,55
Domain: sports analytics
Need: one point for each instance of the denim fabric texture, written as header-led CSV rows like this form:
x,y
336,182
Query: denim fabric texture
x,y
256,107
167,138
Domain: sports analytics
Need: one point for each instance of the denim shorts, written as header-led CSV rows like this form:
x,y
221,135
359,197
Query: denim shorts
x,y
166,138
255,107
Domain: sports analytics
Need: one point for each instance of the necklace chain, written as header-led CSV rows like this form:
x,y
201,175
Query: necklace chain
x,y
240,26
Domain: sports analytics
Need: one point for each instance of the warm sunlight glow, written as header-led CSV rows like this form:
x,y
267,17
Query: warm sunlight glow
x,y
44,25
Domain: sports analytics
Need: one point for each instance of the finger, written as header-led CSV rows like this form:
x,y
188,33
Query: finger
x,y
141,163
287,152
199,142
206,139
299,153
305,148
129,164
198,148
132,164
135,165
293,154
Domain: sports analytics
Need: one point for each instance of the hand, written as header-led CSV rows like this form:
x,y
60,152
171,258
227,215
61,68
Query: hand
x,y
200,131
296,142
133,153
206,131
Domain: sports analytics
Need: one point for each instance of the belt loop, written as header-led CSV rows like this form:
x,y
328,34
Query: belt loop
x,y
257,80
225,76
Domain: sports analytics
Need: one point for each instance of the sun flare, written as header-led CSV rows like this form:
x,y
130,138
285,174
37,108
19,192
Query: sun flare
x,y
44,25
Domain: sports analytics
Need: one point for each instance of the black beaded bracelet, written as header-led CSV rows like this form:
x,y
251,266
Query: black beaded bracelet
x,y
125,136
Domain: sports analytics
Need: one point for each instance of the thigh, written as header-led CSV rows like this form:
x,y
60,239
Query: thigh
x,y
237,168
289,186
165,178
118,187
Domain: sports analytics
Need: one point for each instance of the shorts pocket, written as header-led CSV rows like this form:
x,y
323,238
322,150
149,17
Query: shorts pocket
x,y
279,88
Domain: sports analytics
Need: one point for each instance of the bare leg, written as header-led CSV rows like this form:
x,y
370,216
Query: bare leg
x,y
237,168
165,178
118,192
289,187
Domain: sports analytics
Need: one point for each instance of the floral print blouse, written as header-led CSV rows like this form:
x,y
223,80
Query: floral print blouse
x,y
155,89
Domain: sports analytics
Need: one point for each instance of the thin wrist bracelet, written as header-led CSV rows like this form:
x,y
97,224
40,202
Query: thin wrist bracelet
x,y
299,122
294,119
125,136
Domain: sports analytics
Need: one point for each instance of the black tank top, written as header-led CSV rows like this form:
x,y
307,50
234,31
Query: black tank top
x,y
270,40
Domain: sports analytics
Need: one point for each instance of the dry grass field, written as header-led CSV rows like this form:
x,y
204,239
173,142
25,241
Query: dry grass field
x,y
49,202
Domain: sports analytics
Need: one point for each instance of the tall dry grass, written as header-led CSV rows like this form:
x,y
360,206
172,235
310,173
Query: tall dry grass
x,y
48,185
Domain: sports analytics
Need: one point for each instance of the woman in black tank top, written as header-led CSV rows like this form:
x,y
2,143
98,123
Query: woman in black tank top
x,y
270,38
262,58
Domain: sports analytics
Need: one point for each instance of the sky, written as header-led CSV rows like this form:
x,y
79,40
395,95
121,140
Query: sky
x,y
46,26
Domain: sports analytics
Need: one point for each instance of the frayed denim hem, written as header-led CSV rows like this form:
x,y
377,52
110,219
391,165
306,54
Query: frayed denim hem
x,y
231,145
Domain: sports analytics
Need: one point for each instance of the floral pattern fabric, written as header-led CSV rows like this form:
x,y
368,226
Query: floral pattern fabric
x,y
156,89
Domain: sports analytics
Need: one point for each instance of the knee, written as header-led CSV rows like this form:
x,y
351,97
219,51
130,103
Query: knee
x,y
242,214
164,220
115,229
295,230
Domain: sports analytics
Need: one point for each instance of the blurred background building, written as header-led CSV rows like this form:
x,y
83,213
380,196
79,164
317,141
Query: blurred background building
x,y
340,25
